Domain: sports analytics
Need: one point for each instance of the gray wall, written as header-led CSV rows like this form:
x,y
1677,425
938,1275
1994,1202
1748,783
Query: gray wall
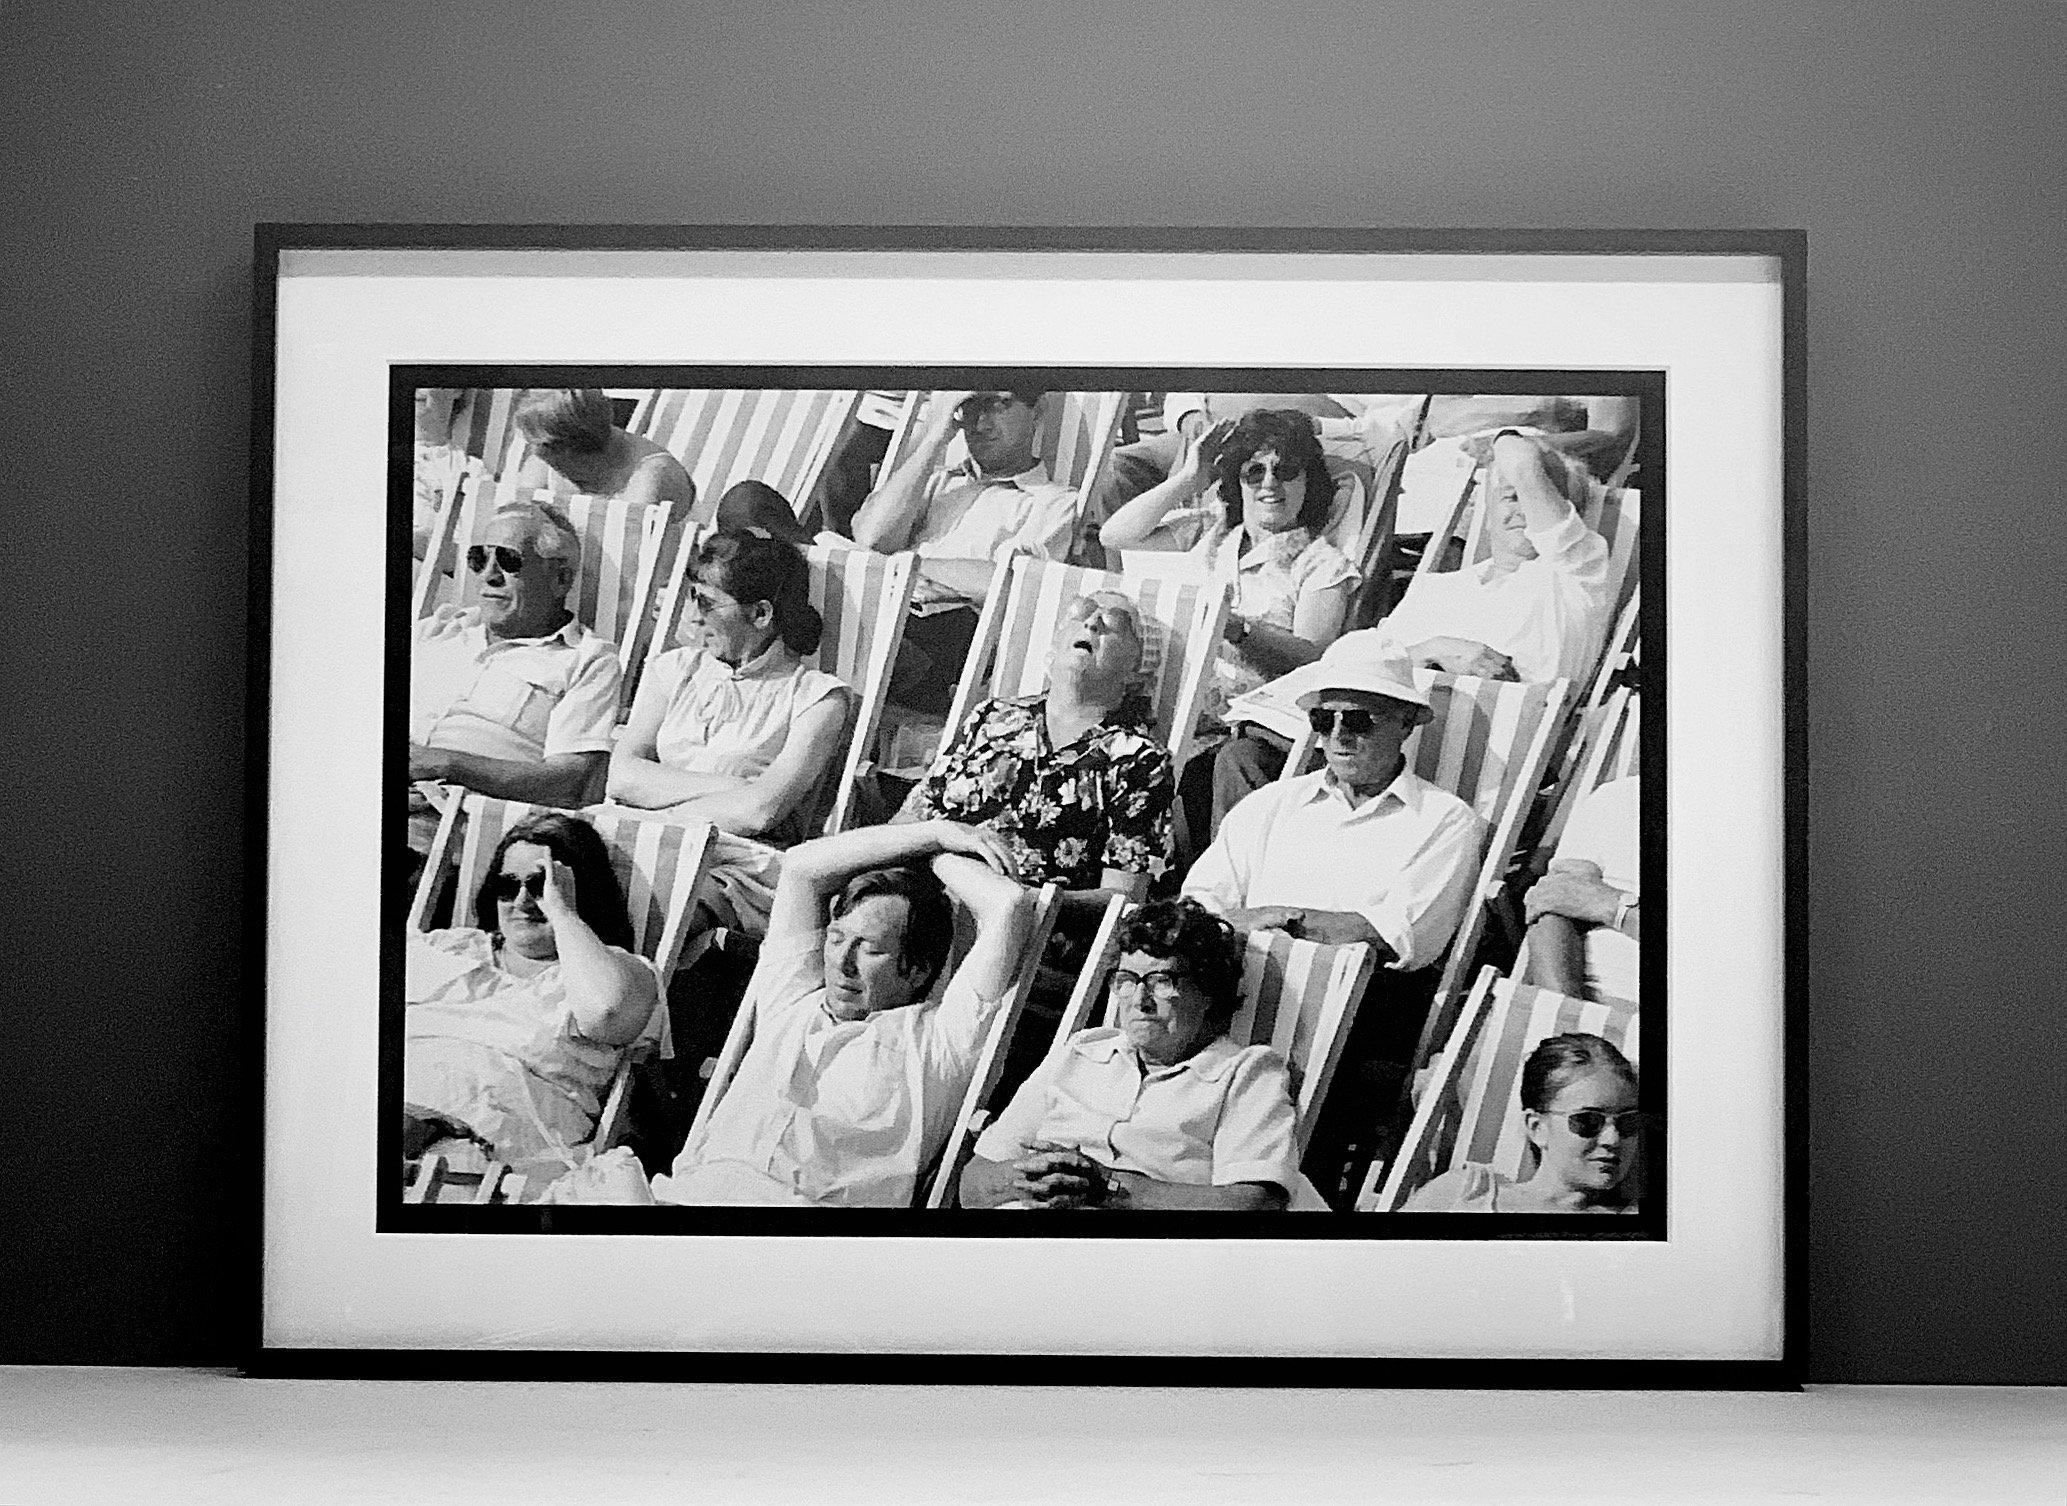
x,y
1920,148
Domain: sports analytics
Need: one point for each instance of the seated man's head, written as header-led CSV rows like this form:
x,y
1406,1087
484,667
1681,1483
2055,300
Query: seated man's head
x,y
1578,1096
1178,984
509,905
1272,474
1105,648
999,428
563,421
887,941
524,563
1363,705
1507,534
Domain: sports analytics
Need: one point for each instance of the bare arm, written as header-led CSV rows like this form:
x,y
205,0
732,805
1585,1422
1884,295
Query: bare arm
x,y
1133,1189
750,807
1003,912
565,779
1134,523
610,992
814,871
885,521
1316,623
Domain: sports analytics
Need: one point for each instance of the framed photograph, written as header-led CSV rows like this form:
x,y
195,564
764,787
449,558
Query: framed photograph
x,y
780,756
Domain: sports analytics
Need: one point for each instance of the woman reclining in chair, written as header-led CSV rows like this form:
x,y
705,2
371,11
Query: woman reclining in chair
x,y
1578,1098
1163,1112
734,728
513,1033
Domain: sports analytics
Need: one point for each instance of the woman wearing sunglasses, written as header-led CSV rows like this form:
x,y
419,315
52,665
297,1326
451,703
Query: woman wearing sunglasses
x,y
1578,1100
1160,1109
732,727
515,1025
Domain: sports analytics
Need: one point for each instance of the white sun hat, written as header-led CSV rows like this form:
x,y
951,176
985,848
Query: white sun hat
x,y
1360,661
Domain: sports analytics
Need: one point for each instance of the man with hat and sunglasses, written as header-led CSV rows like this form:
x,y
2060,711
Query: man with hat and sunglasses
x,y
512,697
1363,849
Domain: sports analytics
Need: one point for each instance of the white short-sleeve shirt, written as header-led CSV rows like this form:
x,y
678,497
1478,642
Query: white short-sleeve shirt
x,y
1405,859
523,699
1221,1116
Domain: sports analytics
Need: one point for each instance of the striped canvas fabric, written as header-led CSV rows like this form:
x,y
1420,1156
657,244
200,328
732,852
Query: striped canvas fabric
x,y
658,863
1606,746
1300,998
863,597
782,436
1615,513
1189,612
482,426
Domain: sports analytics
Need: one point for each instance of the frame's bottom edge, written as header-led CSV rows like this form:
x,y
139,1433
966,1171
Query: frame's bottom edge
x,y
1270,1372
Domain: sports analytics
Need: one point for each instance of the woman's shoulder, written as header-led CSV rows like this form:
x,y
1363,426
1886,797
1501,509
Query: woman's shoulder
x,y
1320,564
1470,1188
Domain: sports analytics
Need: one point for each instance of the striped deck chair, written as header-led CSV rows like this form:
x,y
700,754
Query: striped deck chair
x,y
1488,743
1614,513
658,864
1607,745
990,1061
1024,611
620,559
483,426
1372,550
782,436
1300,997
1472,1111
863,597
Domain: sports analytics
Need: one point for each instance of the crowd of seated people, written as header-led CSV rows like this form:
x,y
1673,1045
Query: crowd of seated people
x,y
863,1036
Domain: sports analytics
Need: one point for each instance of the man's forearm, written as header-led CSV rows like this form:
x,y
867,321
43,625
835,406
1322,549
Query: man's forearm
x,y
1131,1189
553,781
965,577
828,862
884,521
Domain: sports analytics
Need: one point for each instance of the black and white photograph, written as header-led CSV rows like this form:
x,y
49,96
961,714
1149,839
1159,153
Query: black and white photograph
x,y
1013,796
951,771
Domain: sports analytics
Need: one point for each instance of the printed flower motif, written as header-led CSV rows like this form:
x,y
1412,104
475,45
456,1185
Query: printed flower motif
x,y
1070,853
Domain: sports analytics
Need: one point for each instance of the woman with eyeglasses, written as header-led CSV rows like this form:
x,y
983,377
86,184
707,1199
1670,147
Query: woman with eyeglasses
x,y
516,1025
732,727
1160,1109
1578,1100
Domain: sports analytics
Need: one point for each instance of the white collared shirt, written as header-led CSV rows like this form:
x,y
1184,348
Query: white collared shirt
x,y
523,699
971,517
1221,1116
1548,614
1405,859
826,1111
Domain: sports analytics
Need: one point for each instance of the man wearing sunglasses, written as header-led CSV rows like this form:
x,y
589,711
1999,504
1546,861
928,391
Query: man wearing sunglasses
x,y
512,697
1362,850
960,519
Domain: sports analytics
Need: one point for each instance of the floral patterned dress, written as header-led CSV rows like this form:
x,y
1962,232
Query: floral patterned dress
x,y
1068,813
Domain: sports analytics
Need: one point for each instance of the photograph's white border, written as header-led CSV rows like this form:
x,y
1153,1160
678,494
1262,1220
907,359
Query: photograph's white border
x,y
1711,1290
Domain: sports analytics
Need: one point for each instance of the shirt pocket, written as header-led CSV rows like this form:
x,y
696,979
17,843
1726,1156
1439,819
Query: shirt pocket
x,y
520,699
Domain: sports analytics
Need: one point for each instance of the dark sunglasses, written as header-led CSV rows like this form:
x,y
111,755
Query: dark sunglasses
x,y
505,887
509,561
1587,1124
1287,471
1352,723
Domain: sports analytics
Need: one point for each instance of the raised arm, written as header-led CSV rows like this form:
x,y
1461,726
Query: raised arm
x,y
813,872
1135,523
610,992
1003,912
885,521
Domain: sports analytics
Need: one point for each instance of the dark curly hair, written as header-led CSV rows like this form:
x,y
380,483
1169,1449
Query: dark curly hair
x,y
751,565
1291,434
598,897
1556,1061
1210,949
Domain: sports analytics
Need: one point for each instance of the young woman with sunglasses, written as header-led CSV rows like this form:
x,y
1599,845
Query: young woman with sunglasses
x,y
515,1025
732,727
1160,1109
1578,1099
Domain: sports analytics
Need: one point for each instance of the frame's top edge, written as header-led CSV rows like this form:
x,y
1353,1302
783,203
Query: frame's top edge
x,y
272,237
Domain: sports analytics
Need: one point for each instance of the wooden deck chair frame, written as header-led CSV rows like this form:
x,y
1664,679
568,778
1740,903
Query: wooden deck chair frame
x,y
1606,746
644,851
784,437
1505,810
485,422
1022,613
862,631
1472,1110
990,1061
